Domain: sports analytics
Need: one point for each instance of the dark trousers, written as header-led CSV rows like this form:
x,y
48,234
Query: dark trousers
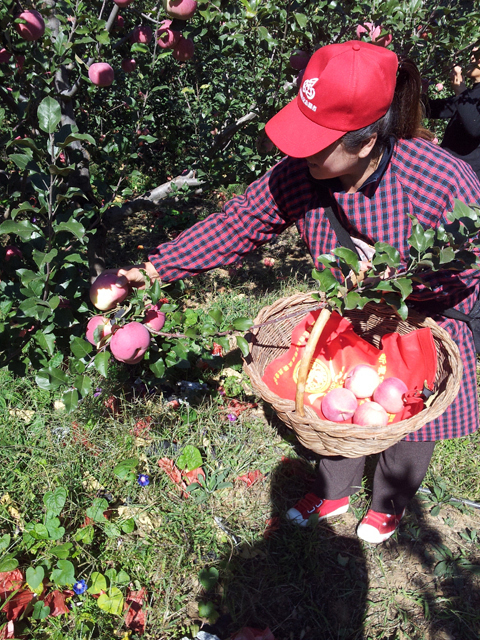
x,y
398,475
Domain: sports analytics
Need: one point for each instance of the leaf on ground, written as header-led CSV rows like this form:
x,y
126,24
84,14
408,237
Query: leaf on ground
x,y
56,601
135,616
251,477
17,604
192,476
173,472
10,581
111,601
8,631
272,525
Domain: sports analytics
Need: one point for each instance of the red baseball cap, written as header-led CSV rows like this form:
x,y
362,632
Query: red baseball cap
x,y
345,87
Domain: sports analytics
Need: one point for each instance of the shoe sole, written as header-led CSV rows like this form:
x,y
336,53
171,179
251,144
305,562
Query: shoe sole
x,y
303,523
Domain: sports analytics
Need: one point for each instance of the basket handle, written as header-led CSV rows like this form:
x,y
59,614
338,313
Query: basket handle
x,y
307,356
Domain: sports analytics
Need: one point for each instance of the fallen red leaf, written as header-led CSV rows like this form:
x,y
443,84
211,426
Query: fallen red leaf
x,y
173,472
10,581
217,349
7,631
17,604
141,426
135,616
247,633
56,601
237,407
272,525
112,404
251,477
192,476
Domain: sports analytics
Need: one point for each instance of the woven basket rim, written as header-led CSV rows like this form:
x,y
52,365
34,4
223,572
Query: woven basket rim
x,y
311,420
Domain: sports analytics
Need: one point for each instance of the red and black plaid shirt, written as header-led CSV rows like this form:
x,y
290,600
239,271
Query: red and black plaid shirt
x,y
421,179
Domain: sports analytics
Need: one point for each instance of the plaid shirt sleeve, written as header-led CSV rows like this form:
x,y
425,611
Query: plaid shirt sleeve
x,y
268,207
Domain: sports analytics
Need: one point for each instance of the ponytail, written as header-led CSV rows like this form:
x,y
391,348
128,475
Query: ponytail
x,y
403,119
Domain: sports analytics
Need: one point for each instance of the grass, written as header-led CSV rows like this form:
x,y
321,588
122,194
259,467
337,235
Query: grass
x,y
319,583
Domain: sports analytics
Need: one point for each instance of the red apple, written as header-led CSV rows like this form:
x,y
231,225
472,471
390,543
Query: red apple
x,y
154,318
123,3
19,62
389,394
299,59
101,74
339,405
95,322
105,294
166,37
362,380
12,252
119,23
263,144
34,26
142,33
184,49
370,414
129,343
129,65
4,56
180,9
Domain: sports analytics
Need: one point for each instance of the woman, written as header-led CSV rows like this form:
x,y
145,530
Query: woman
x,y
462,135
353,139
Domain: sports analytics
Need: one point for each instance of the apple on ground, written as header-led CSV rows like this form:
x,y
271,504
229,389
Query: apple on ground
x,y
362,380
129,65
339,405
154,318
105,294
34,26
93,323
101,74
370,414
129,343
180,9
183,49
389,394
142,33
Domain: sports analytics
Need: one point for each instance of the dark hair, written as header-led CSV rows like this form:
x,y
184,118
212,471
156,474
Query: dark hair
x,y
404,117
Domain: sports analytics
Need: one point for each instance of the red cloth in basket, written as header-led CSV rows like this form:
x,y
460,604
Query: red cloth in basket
x,y
411,357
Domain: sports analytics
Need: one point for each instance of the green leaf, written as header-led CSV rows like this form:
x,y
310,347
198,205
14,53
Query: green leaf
x,y
128,526
122,577
327,260
34,577
103,37
123,469
20,159
112,601
72,226
5,541
208,578
40,611
349,257
46,341
55,531
447,255
23,229
97,583
55,500
326,280
243,345
62,551
242,324
64,574
70,400
101,362
190,459
207,610
8,563
157,368
96,510
111,530
85,534
216,315
301,19
49,114
83,384
404,285
51,378
80,347
77,136
386,254
354,300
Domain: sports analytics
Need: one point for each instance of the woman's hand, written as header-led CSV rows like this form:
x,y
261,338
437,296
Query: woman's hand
x,y
456,79
133,275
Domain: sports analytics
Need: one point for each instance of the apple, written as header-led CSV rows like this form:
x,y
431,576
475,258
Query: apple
x,y
389,394
339,405
105,294
142,33
154,318
119,23
299,59
370,414
34,26
439,86
180,9
93,323
12,252
362,380
183,49
167,38
19,62
129,65
101,74
123,3
4,56
129,343
263,144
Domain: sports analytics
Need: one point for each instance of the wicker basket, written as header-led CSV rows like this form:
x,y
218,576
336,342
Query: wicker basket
x,y
329,438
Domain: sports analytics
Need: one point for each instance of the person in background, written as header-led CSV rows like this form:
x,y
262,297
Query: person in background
x,y
462,135
353,139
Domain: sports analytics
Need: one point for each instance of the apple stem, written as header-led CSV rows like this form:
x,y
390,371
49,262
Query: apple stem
x,y
307,356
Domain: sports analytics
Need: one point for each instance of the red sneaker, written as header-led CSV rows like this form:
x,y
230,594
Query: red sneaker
x,y
310,504
377,527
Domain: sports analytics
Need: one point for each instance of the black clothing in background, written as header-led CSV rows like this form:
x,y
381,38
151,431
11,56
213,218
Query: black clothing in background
x,y
462,136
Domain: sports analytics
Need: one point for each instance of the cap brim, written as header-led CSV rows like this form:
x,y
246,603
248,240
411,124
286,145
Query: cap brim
x,y
296,135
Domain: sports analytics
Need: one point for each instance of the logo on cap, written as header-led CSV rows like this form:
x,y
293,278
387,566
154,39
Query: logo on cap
x,y
307,93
